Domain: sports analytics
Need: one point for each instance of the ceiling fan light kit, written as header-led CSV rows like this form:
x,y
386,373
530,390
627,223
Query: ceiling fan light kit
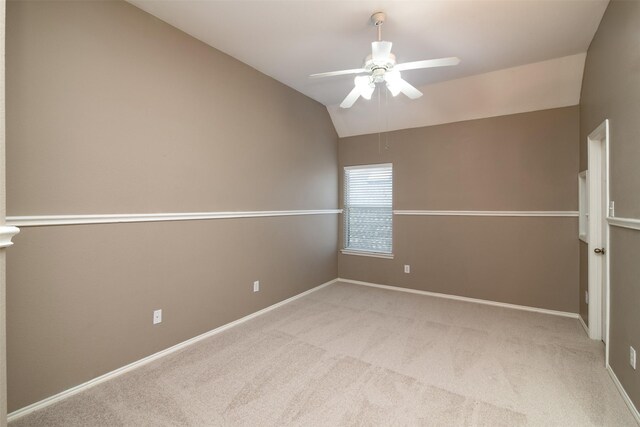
x,y
380,67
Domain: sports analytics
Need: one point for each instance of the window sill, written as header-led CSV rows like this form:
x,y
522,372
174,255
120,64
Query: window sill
x,y
365,253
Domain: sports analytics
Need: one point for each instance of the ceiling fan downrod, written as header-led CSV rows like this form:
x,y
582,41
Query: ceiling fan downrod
x,y
378,19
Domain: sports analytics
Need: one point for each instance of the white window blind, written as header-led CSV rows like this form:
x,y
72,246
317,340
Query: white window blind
x,y
368,208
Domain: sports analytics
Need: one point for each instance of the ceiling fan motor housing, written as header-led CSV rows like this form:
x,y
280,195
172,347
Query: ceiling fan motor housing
x,y
370,65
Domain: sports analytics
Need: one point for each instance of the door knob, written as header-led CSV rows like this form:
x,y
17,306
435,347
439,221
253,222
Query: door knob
x,y
600,251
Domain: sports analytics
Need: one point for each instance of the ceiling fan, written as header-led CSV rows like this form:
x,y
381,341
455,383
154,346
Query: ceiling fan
x,y
380,67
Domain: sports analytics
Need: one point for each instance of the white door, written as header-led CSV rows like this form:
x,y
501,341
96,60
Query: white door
x,y
598,189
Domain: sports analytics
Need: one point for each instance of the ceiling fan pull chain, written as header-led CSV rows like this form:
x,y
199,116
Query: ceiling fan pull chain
x,y
379,126
386,116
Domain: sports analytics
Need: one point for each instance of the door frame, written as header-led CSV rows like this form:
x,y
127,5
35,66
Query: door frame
x,y
598,276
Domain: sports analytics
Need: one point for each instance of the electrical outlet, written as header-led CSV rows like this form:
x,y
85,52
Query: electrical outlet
x,y
632,357
612,208
586,297
256,286
407,268
157,317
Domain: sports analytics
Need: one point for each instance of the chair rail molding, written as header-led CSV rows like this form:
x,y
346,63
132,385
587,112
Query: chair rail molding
x,y
6,234
50,220
632,223
487,213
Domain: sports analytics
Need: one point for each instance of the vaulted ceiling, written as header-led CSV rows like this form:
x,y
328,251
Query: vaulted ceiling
x,y
517,55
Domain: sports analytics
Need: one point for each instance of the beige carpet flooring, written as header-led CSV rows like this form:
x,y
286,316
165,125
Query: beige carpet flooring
x,y
355,355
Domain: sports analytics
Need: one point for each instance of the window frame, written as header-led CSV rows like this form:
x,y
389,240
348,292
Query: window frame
x,y
363,252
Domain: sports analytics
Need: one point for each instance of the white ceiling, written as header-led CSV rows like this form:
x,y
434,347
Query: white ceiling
x,y
288,40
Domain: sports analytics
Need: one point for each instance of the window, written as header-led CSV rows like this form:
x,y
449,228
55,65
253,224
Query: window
x,y
368,209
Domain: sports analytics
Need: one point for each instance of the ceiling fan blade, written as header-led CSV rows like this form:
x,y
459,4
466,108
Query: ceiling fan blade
x,y
351,98
380,51
408,90
428,63
338,73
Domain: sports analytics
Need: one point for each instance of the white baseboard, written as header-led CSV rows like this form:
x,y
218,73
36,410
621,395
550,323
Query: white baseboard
x,y
109,375
623,393
466,299
584,325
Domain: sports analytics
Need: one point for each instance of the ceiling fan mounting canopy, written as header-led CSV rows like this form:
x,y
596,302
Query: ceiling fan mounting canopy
x,y
378,18
381,67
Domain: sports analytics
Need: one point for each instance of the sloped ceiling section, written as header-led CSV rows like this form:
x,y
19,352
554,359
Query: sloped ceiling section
x,y
290,39
539,86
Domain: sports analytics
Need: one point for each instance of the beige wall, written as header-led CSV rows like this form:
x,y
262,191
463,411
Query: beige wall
x,y
81,298
526,162
112,111
611,90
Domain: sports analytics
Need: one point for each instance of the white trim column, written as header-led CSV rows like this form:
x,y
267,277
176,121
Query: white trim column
x,y
6,233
